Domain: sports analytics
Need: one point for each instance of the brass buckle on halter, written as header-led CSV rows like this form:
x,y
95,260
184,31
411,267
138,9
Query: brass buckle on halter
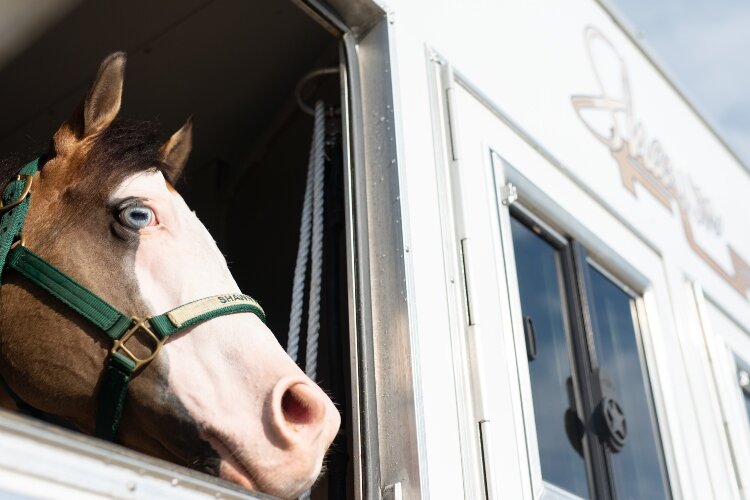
x,y
138,324
26,189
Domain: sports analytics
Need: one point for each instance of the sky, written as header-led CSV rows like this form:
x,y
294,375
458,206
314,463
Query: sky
x,y
703,45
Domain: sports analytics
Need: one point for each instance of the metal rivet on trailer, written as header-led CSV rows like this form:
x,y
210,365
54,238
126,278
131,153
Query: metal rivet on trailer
x,y
131,485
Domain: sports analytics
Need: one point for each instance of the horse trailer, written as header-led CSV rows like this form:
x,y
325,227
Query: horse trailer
x,y
530,278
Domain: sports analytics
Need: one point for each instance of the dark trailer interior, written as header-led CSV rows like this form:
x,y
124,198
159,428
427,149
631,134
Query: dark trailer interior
x,y
234,66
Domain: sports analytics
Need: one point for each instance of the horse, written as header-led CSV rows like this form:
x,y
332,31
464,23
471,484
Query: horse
x,y
221,396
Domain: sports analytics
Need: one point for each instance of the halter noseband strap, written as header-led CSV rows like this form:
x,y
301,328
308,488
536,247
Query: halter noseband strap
x,y
123,364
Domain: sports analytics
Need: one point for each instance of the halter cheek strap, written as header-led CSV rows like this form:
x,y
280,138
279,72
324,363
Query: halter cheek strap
x,y
123,364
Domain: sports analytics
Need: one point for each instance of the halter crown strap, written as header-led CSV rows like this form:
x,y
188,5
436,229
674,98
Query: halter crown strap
x,y
123,363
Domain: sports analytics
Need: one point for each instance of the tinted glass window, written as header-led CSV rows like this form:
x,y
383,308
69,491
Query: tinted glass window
x,y
540,284
637,468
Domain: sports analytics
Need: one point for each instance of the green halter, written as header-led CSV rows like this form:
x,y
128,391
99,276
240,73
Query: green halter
x,y
123,364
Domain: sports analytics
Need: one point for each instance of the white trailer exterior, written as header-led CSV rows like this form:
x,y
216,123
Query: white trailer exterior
x,y
559,101
461,117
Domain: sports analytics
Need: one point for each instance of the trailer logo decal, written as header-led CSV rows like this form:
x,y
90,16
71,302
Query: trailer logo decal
x,y
644,161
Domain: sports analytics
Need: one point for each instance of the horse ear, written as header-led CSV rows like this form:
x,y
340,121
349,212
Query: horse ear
x,y
105,96
177,149
101,105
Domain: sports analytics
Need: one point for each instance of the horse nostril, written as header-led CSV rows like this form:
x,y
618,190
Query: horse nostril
x,y
300,412
296,409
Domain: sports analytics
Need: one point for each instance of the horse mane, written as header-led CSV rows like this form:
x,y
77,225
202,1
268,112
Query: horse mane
x,y
126,147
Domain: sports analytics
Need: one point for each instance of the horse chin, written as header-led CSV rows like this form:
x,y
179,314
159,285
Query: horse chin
x,y
234,468
232,471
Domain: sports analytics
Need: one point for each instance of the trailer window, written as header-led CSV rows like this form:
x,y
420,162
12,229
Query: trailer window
x,y
541,289
636,468
592,401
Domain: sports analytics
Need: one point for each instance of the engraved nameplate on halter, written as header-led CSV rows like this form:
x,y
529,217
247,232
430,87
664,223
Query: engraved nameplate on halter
x,y
185,313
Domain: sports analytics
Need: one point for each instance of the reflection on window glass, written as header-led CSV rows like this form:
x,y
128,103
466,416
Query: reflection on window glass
x,y
637,468
539,282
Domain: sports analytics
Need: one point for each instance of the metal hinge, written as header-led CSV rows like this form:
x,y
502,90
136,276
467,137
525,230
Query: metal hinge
x,y
466,265
393,492
508,194
446,76
487,468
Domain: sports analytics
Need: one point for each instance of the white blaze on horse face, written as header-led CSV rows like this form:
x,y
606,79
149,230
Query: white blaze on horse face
x,y
267,421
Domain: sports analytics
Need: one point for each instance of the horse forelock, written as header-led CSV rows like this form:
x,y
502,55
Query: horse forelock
x,y
123,149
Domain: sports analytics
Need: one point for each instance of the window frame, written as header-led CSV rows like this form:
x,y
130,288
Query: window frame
x,y
575,263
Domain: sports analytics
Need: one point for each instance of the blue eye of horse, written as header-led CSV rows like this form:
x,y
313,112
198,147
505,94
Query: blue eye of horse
x,y
136,216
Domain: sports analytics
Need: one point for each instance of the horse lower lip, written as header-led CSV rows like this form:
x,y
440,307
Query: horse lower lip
x,y
231,468
234,470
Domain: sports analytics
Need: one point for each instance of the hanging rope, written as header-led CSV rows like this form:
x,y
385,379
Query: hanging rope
x,y
316,270
311,234
300,267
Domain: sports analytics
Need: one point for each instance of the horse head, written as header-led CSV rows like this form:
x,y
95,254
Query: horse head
x,y
221,396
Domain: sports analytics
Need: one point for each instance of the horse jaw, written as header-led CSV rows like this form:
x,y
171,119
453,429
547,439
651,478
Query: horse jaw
x,y
268,423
